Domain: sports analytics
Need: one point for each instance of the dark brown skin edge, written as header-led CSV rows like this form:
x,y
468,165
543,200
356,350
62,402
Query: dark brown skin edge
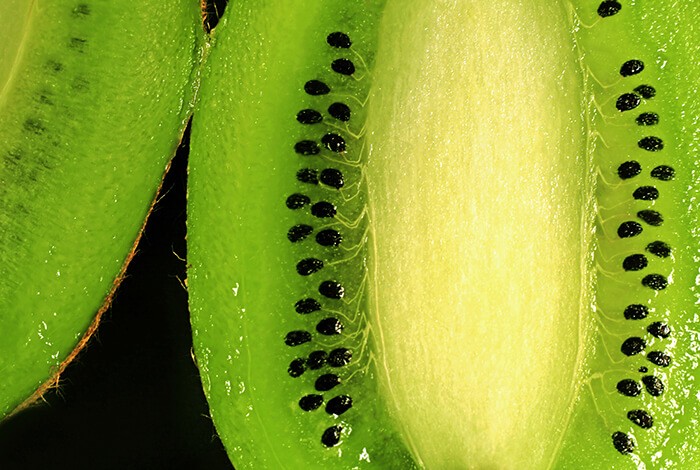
x,y
54,380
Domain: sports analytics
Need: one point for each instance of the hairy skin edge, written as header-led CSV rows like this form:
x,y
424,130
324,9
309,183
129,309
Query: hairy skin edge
x,y
53,381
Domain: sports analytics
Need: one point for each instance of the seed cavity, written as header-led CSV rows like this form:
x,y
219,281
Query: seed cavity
x,y
646,193
632,346
629,387
659,248
306,306
316,88
655,281
629,169
628,101
296,367
608,8
641,418
339,357
631,67
651,144
653,218
331,436
663,173
659,330
323,210
653,384
331,289
307,175
329,326
338,405
329,237
636,312
647,91
299,232
659,358
334,142
297,201
647,119
310,402
308,266
343,66
309,116
307,147
629,229
327,382
297,337
340,111
332,177
317,359
635,263
623,443
339,40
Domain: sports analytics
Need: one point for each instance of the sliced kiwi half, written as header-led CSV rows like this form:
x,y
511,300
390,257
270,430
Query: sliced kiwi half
x,y
94,96
449,234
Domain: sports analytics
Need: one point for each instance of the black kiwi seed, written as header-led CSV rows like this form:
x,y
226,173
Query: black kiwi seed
x,y
317,359
653,384
81,10
310,402
331,289
323,210
54,66
641,418
299,232
653,218
628,101
647,119
338,405
629,229
632,346
296,367
78,44
629,169
306,306
651,144
663,173
647,91
307,175
622,442
326,382
655,281
309,116
608,8
297,201
340,111
308,266
329,326
334,142
646,193
316,88
297,337
643,370
331,436
332,177
343,66
659,358
629,387
659,329
636,312
659,248
631,67
307,147
635,262
329,237
339,357
339,40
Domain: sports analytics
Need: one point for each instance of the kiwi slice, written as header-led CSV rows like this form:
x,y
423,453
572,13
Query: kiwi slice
x,y
94,96
449,234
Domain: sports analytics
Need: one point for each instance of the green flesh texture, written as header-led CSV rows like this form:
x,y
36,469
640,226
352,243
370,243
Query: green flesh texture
x,y
482,269
94,97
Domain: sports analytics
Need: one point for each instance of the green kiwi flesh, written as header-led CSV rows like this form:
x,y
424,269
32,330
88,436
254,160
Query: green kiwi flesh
x,y
94,96
502,307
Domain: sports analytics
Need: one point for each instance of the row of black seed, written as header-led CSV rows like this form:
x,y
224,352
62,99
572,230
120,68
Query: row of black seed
x,y
637,262
330,289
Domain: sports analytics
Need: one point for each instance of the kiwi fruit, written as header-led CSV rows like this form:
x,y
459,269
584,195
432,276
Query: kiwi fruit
x,y
94,97
449,234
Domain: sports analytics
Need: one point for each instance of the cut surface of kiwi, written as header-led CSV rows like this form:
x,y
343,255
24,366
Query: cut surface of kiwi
x,y
94,96
449,234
